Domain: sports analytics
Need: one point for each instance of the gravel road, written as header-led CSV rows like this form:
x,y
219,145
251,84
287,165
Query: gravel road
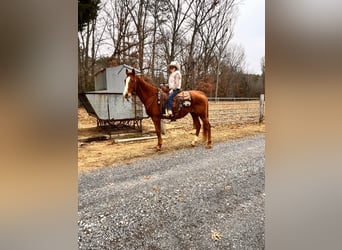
x,y
195,198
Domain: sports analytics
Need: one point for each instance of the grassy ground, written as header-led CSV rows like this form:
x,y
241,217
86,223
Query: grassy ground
x,y
178,135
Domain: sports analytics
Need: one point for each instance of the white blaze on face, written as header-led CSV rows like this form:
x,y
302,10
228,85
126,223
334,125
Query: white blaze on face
x,y
126,86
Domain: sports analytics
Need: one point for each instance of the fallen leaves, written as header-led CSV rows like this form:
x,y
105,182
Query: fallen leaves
x,y
178,136
215,235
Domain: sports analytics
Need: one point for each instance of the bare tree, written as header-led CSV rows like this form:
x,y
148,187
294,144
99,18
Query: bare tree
x,y
138,12
201,12
158,10
216,35
165,35
86,56
150,34
172,28
118,22
236,62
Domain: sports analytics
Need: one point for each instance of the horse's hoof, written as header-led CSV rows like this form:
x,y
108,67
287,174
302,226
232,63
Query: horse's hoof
x,y
208,146
158,148
194,142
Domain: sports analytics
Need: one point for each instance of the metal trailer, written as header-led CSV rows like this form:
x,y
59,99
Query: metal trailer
x,y
107,104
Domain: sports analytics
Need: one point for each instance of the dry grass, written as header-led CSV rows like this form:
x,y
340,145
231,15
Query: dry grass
x,y
178,136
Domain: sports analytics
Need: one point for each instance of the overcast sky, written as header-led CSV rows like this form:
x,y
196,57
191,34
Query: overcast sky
x,y
250,33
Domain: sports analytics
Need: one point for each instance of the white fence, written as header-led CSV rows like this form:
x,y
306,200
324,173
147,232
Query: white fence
x,y
224,111
236,110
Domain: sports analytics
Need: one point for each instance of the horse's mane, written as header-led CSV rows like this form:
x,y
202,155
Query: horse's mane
x,y
147,79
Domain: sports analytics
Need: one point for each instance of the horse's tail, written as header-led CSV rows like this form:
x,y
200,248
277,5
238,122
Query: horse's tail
x,y
205,128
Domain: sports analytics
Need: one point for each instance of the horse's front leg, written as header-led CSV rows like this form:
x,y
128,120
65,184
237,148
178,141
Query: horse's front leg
x,y
157,126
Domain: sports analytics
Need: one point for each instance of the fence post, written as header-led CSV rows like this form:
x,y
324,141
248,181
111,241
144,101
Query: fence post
x,y
261,107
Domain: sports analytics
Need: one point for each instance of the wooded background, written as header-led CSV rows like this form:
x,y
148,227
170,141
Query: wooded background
x,y
148,35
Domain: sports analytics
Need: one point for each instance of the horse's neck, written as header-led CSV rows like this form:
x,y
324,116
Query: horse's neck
x,y
145,90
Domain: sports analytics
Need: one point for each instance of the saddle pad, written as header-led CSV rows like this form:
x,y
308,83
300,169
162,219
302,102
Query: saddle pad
x,y
185,98
184,95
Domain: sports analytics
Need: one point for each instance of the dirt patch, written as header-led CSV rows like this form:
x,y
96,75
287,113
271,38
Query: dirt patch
x,y
179,135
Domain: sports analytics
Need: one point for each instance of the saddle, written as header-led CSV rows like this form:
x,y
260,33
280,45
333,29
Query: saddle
x,y
181,100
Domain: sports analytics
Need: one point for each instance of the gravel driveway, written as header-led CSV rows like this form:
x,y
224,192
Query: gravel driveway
x,y
187,199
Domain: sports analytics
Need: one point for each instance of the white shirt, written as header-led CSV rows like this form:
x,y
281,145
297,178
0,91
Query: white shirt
x,y
175,80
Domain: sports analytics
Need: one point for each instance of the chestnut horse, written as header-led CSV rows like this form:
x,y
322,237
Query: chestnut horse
x,y
148,95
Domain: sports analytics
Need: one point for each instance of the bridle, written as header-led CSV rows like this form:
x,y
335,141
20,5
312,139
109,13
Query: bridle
x,y
134,92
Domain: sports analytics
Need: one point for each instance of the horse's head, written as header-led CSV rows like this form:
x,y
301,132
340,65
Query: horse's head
x,y
130,84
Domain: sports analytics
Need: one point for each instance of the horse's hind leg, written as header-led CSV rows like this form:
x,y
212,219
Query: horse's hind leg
x,y
197,126
206,131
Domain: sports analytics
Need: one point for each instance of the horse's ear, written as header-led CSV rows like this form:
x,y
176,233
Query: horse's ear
x,y
133,72
127,72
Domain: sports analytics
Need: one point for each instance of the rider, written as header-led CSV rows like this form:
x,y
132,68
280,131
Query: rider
x,y
175,83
